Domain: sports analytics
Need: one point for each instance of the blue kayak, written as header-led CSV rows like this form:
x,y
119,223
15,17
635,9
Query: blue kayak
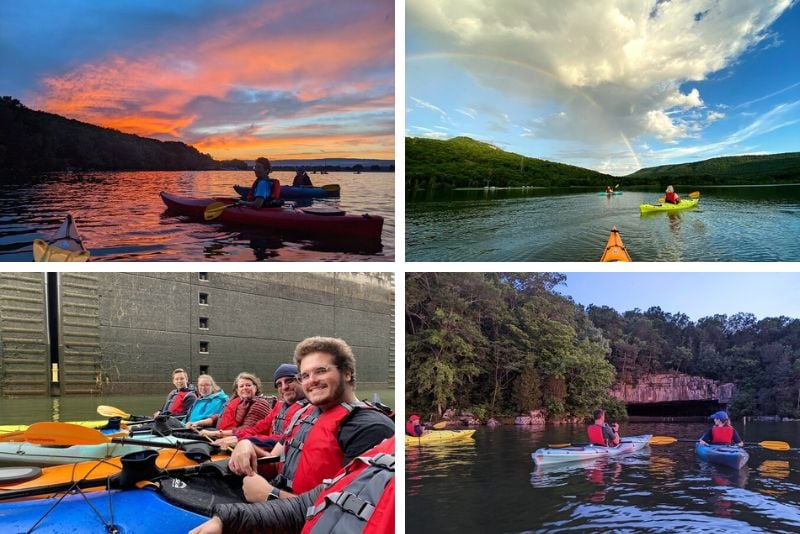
x,y
727,455
137,510
290,192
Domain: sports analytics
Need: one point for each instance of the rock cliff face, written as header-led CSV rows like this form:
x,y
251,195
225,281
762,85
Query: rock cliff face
x,y
672,388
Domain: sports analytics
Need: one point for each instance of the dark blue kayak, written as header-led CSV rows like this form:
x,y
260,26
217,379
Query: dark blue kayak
x,y
727,455
290,192
137,510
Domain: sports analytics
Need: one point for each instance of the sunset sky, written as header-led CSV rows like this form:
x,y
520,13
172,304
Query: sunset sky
x,y
612,85
234,78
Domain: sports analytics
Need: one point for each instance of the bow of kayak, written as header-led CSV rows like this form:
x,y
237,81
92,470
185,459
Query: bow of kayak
x,y
439,436
65,244
615,250
628,445
726,455
333,225
682,205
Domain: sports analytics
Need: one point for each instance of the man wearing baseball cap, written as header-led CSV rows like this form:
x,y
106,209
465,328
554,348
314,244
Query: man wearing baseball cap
x,y
413,426
722,433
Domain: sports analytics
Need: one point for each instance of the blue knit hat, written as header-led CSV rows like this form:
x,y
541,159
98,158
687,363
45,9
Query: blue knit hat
x,y
284,370
722,416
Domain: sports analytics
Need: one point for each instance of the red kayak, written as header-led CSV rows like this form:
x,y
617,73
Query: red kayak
x,y
310,221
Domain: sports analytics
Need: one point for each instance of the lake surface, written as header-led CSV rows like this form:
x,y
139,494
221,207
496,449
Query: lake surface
x,y
729,224
490,484
121,217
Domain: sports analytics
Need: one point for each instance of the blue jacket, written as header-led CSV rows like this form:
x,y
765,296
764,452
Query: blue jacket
x,y
207,406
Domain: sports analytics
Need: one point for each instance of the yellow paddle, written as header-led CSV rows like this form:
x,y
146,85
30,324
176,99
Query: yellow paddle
x,y
48,433
693,194
331,188
215,209
771,445
440,426
44,251
111,411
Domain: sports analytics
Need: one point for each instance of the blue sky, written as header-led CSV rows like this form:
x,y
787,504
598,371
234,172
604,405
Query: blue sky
x,y
612,86
695,294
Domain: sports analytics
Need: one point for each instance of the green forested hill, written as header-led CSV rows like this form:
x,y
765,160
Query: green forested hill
x,y
35,141
464,162
768,169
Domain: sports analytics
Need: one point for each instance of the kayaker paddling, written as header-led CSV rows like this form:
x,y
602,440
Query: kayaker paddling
x,y
671,197
414,427
722,433
265,191
600,432
301,178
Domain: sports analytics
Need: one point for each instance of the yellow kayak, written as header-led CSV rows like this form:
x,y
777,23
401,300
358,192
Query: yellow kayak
x,y
615,250
439,436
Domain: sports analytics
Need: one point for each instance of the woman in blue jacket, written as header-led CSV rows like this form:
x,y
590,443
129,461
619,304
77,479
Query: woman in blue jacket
x,y
210,402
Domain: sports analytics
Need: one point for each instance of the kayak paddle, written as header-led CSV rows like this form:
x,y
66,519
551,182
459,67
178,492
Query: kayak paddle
x,y
440,425
68,434
331,188
111,411
771,445
215,209
43,251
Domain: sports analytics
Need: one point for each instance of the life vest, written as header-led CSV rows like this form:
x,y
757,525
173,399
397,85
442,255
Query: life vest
x,y
314,433
360,499
672,198
596,435
285,415
722,435
176,406
413,429
227,420
274,189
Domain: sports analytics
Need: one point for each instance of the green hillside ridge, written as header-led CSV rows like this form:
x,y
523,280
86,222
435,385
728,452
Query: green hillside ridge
x,y
464,162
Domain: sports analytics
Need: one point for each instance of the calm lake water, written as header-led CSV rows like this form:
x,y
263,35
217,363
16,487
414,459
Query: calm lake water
x,y
492,485
729,224
121,217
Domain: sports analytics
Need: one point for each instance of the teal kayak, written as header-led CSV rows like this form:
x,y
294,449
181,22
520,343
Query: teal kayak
x,y
682,205
727,455
574,454
609,194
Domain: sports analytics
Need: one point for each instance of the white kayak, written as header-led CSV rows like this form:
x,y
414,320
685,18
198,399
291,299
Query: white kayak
x,y
587,452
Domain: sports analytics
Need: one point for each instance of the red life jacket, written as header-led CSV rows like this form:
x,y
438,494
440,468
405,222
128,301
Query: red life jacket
x,y
274,193
360,498
722,435
177,402
273,425
316,434
672,198
596,435
413,429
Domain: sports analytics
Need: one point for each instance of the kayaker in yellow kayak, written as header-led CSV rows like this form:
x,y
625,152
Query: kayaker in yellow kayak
x,y
414,428
601,433
722,433
671,197
265,191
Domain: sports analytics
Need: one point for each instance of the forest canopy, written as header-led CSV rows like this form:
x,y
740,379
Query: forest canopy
x,y
506,343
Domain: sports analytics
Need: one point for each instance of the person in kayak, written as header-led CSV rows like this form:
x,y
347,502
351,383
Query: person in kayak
x,y
671,196
327,434
609,190
301,178
180,400
245,409
265,191
360,498
211,399
414,428
722,433
601,433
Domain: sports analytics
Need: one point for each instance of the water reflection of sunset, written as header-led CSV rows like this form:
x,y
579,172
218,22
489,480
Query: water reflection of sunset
x,y
299,78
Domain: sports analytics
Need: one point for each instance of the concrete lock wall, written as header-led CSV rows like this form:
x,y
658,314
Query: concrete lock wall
x,y
126,332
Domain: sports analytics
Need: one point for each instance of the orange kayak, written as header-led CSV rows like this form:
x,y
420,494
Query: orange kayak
x,y
615,250
97,470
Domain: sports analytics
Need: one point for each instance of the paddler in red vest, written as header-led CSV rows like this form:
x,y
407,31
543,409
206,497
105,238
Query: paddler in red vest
x,y
414,428
265,191
360,498
323,437
179,400
601,433
671,196
722,433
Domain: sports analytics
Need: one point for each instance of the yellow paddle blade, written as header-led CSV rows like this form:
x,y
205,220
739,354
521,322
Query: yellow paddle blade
x,y
214,210
775,445
331,187
440,426
559,445
63,434
662,440
694,194
661,200
43,251
110,411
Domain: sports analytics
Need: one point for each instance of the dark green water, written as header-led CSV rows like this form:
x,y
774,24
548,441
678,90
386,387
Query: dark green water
x,y
492,485
729,224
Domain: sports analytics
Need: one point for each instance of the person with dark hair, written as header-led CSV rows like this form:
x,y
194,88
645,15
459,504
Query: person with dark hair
x,y
180,400
301,178
600,432
722,433
265,191
324,436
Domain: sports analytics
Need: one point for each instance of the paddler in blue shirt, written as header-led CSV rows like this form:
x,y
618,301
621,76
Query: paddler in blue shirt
x,y
265,191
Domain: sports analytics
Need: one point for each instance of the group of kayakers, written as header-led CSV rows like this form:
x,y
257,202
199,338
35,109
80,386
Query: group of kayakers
x,y
607,435
265,191
327,440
